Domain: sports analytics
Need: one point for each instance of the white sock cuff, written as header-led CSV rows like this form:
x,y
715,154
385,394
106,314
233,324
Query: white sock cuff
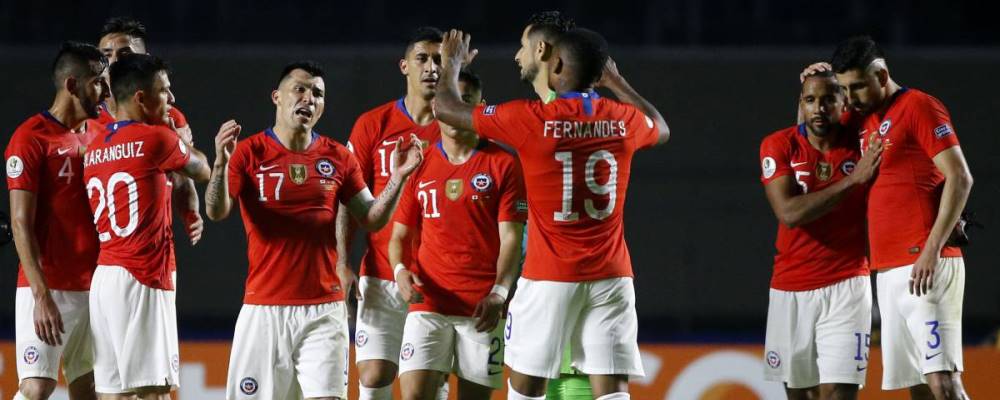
x,y
514,395
379,393
19,396
615,396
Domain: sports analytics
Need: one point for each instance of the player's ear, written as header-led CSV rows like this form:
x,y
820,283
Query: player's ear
x,y
69,85
139,96
883,76
274,96
402,66
543,50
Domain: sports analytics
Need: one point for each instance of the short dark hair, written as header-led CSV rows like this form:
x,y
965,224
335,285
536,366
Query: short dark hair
x,y
822,74
550,24
423,34
857,52
312,67
586,51
125,25
134,72
471,78
76,60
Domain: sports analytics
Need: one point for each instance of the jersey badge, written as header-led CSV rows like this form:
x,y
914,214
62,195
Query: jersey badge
x,y
298,172
453,189
824,171
482,182
884,128
325,167
847,167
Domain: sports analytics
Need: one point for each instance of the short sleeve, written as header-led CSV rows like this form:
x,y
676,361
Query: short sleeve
x,y
511,122
931,125
513,201
360,143
170,150
408,211
352,181
774,160
644,130
25,158
237,168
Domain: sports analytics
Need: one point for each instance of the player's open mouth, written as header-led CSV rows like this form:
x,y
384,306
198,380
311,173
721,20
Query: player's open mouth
x,y
430,81
304,112
819,121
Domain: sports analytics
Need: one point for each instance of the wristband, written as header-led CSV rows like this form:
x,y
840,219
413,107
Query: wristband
x,y
396,269
500,291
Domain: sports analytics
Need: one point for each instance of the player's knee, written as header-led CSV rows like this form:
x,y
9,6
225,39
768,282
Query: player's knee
x,y
521,392
942,386
36,388
841,391
376,373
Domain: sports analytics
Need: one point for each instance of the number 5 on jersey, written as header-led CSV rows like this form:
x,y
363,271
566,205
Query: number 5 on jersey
x,y
609,188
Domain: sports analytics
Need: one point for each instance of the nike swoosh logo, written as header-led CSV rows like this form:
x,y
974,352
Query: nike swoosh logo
x,y
928,357
388,142
64,151
794,164
262,168
860,368
422,185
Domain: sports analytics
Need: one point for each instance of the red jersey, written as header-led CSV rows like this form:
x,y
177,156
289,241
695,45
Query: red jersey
x,y
127,185
904,198
372,141
457,209
576,153
45,157
832,247
288,201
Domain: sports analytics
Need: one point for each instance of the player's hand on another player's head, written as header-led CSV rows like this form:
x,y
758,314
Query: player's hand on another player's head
x,y
455,47
48,321
408,284
813,69
225,140
408,158
868,164
487,313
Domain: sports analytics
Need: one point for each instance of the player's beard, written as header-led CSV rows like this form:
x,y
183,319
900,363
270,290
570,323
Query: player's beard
x,y
90,106
529,73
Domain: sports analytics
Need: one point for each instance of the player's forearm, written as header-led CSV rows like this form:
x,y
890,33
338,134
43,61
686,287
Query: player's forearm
x,y
344,229
217,201
803,209
449,107
954,195
197,167
397,245
185,195
625,93
23,224
382,208
510,253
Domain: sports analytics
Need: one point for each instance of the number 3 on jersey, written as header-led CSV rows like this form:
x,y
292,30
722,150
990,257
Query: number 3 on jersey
x,y
609,188
106,200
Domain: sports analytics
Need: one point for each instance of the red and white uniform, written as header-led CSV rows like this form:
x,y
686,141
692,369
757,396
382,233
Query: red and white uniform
x,y
920,334
291,334
381,311
132,291
819,313
457,209
576,153
44,158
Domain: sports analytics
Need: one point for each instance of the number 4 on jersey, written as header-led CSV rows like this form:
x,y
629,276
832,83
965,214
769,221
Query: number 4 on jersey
x,y
609,188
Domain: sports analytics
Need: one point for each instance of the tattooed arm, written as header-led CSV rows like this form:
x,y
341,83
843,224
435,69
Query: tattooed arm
x,y
217,200
373,213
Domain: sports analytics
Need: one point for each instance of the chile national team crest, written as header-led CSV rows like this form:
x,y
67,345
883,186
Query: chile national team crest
x,y
847,167
248,386
298,173
884,128
325,168
30,355
482,182
773,360
407,352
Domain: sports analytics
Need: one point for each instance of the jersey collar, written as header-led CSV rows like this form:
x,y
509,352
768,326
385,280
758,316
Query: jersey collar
x,y
586,97
52,118
401,105
270,133
115,126
483,142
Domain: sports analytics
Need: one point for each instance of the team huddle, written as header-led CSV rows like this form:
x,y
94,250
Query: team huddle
x,y
443,184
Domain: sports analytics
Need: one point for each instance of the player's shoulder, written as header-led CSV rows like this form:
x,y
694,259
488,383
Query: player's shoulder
x,y
784,137
920,100
496,150
379,114
327,144
32,127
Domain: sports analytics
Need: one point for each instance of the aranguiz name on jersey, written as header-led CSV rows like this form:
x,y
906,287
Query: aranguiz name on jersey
x,y
584,129
116,152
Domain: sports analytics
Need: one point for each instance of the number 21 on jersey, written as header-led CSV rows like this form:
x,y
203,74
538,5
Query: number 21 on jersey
x,y
609,188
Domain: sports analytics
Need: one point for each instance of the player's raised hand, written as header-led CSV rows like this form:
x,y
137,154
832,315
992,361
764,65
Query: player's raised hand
x,y
868,164
408,158
455,47
610,75
487,313
225,140
48,321
409,284
922,275
814,68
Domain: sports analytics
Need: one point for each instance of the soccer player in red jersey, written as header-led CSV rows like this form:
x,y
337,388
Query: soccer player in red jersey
x,y
291,337
381,311
465,207
54,230
123,35
915,202
576,153
819,313
133,315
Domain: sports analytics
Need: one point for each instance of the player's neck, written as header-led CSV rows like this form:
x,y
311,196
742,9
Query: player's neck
x,y
129,112
111,105
294,139
65,112
419,109
541,86
824,142
460,148
891,88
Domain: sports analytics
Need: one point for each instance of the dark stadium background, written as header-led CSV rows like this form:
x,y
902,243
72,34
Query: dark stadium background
x,y
724,73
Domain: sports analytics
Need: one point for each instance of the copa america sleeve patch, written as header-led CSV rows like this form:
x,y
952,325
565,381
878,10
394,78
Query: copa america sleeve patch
x,y
768,166
943,130
522,206
489,110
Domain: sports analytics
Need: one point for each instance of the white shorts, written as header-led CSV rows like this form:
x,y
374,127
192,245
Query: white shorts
x,y
819,336
922,334
596,318
289,352
135,333
380,320
446,343
39,360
